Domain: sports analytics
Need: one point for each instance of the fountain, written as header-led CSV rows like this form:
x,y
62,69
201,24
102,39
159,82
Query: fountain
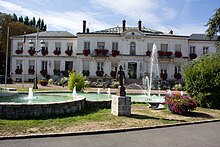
x,y
98,91
30,93
74,94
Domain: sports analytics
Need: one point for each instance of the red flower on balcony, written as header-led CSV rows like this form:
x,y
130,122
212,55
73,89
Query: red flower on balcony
x,y
31,71
192,56
57,52
99,73
86,52
168,54
101,52
19,51
163,76
115,53
31,51
160,53
178,54
44,51
43,72
148,53
18,71
69,52
177,76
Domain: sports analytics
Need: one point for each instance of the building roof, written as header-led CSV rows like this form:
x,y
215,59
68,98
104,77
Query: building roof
x,y
202,37
49,34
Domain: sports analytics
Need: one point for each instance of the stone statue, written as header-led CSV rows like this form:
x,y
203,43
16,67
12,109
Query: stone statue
x,y
120,78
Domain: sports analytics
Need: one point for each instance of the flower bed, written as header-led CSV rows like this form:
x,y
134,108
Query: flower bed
x,y
180,104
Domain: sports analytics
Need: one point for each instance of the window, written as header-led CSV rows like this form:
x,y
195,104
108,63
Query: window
x,y
149,46
164,47
68,65
44,65
132,48
19,64
192,50
20,46
69,46
100,66
205,50
177,69
86,45
57,65
177,47
100,45
114,45
58,46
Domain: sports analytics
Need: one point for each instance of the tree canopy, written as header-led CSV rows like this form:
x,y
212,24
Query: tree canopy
x,y
214,26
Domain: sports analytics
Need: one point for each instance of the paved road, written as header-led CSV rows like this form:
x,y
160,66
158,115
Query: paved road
x,y
198,135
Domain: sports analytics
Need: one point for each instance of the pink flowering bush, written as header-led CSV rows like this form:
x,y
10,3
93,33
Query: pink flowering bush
x,y
180,104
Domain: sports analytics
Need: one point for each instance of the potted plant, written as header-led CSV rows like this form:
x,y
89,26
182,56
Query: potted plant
x,y
192,56
43,82
177,76
57,52
180,104
31,71
168,54
19,51
18,71
86,52
31,51
163,76
115,53
178,54
69,52
44,51
85,72
43,72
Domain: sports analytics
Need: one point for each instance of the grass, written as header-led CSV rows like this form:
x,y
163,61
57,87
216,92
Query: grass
x,y
101,119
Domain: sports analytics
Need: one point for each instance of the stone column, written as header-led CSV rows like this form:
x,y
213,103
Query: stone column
x,y
121,105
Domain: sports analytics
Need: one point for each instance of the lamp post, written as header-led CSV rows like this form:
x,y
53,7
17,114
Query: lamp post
x,y
31,45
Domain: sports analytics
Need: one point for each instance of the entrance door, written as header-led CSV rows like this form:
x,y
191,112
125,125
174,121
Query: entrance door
x,y
132,70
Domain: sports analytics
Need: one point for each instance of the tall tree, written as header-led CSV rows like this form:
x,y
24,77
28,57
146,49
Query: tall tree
x,y
34,21
26,20
38,23
214,27
42,25
14,17
21,19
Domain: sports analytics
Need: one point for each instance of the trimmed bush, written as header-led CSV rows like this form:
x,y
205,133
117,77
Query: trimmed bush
x,y
76,79
202,80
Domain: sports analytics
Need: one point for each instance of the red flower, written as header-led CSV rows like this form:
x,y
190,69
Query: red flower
x,y
115,53
160,53
69,52
31,52
148,53
192,56
19,51
178,54
86,52
57,52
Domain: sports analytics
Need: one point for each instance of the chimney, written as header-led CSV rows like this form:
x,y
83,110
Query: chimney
x,y
171,32
123,25
87,30
84,26
139,25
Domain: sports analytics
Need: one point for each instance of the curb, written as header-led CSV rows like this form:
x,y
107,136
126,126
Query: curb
x,y
102,131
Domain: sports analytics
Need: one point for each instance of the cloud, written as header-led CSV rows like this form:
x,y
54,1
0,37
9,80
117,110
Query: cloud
x,y
62,21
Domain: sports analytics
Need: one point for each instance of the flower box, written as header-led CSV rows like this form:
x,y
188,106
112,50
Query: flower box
x,y
69,52
115,53
86,52
192,56
101,52
148,53
44,51
31,71
18,71
31,52
180,104
163,76
56,52
177,76
19,52
168,54
160,53
178,54
43,72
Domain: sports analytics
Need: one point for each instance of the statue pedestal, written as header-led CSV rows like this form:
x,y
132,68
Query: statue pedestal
x,y
121,105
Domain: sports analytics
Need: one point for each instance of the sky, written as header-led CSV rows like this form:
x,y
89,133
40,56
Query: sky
x,y
184,17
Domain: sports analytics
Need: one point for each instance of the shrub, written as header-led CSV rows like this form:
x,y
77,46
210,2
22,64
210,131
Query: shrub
x,y
202,80
180,104
76,79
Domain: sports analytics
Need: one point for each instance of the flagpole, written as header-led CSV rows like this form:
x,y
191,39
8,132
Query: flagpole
x,y
6,60
23,44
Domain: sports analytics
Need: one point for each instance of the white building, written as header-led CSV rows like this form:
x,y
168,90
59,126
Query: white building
x,y
101,52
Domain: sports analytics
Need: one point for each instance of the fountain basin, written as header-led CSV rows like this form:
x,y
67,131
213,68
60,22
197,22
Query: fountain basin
x,y
38,110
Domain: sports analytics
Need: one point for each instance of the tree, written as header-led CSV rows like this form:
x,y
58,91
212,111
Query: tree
x,y
26,20
214,26
38,23
76,80
20,19
34,21
14,17
202,80
42,25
